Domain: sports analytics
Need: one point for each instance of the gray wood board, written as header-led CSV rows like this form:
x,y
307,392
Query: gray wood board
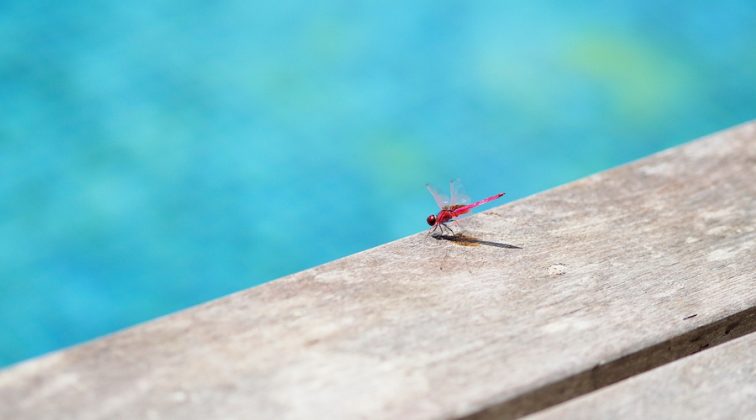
x,y
719,383
608,267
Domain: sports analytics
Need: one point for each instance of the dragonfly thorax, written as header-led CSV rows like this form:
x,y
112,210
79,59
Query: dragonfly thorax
x,y
442,217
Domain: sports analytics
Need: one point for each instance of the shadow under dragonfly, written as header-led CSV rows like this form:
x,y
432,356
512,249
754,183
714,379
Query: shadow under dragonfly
x,y
465,240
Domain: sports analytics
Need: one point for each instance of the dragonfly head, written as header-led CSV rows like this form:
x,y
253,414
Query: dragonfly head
x,y
431,219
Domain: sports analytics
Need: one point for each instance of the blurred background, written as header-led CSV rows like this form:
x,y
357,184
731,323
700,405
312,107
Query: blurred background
x,y
157,154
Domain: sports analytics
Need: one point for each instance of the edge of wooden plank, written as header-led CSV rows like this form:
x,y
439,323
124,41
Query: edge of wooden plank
x,y
613,371
719,383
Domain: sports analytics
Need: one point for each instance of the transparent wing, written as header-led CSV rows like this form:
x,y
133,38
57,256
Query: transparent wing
x,y
441,200
457,191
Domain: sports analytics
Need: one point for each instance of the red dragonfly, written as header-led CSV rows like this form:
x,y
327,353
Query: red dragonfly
x,y
453,207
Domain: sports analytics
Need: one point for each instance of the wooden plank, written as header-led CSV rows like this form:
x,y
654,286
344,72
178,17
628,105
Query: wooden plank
x,y
610,271
719,383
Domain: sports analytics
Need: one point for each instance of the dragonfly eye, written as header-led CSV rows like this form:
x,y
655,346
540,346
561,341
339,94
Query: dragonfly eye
x,y
431,219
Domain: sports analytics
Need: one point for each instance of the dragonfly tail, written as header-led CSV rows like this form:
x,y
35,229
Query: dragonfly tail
x,y
469,207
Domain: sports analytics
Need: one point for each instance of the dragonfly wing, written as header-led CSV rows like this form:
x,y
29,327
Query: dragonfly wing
x,y
440,199
457,191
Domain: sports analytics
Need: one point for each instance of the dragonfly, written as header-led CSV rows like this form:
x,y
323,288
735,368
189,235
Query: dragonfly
x,y
452,207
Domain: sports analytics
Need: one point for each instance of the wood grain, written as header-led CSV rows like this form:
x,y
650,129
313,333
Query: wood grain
x,y
715,384
606,271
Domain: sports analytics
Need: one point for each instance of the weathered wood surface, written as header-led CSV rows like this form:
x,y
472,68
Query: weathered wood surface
x,y
610,272
719,383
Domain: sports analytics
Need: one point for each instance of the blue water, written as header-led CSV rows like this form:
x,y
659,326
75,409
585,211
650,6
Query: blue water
x,y
154,155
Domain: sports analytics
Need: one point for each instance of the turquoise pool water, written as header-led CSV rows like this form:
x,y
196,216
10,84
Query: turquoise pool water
x,y
154,155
